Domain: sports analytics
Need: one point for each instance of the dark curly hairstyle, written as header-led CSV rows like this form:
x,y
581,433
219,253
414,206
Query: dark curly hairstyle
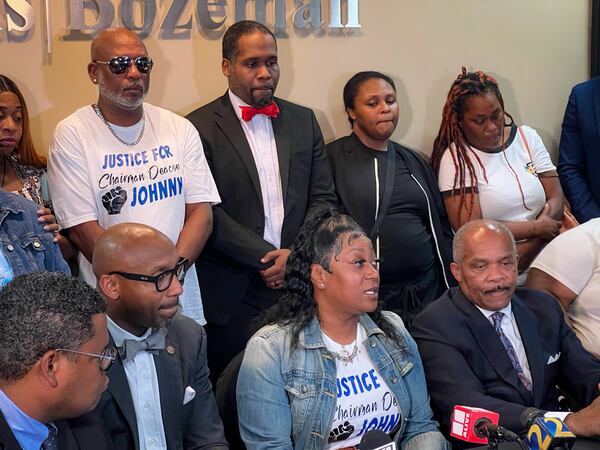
x,y
229,46
43,311
319,240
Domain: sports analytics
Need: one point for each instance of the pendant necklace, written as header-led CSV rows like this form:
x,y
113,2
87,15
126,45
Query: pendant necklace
x,y
128,144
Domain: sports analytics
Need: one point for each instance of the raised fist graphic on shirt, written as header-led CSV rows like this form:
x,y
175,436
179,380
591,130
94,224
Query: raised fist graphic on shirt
x,y
341,433
114,200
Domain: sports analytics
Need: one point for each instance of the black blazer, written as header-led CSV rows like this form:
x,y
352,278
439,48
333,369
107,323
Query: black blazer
x,y
354,177
466,364
82,433
233,252
197,424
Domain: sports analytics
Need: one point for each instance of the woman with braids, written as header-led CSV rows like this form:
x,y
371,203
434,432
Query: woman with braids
x,y
331,365
488,168
405,215
22,170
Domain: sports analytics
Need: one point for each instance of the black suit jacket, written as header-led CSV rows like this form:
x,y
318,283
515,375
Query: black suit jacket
x,y
466,364
82,433
197,424
354,178
233,252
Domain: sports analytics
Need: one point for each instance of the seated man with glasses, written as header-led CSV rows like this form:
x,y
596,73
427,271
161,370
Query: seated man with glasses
x,y
124,160
53,359
159,395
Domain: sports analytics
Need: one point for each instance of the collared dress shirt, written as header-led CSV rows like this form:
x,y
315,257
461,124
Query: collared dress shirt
x,y
144,388
259,133
30,433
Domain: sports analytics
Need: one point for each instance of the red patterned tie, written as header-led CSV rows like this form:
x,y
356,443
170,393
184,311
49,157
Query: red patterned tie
x,y
248,112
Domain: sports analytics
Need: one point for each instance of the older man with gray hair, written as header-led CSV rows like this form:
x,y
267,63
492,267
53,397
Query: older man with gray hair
x,y
491,345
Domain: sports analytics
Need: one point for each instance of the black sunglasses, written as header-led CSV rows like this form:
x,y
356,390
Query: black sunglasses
x,y
163,280
121,64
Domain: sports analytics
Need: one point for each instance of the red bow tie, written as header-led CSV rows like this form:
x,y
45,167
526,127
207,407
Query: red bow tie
x,y
248,112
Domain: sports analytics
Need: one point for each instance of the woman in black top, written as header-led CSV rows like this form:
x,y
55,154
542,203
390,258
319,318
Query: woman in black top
x,y
403,213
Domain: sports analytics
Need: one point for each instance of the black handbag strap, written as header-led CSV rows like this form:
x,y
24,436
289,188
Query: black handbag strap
x,y
387,190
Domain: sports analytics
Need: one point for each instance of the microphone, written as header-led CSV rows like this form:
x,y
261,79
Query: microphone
x,y
544,433
376,440
477,425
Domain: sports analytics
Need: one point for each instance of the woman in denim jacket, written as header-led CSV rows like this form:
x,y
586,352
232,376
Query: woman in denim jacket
x,y
331,365
24,244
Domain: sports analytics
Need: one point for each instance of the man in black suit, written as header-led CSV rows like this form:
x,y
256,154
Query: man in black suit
x,y
159,395
53,358
486,344
268,160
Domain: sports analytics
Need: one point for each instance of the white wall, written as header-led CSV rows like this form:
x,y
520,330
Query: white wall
x,y
537,49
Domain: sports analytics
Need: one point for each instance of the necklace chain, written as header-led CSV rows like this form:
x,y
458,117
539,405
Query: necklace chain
x,y
344,355
128,144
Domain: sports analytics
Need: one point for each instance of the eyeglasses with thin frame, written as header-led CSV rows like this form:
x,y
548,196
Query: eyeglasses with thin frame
x,y
121,64
106,358
163,280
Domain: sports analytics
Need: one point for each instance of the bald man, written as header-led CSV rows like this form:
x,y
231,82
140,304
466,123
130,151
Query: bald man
x,y
159,395
123,160
466,336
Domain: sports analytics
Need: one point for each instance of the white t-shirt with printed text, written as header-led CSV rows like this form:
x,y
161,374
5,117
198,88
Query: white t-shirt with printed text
x,y
92,176
364,400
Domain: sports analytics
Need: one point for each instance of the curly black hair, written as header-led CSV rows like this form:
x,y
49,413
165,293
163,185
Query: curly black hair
x,y
319,240
43,311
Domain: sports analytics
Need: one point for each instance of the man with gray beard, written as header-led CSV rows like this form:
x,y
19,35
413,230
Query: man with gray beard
x,y
124,160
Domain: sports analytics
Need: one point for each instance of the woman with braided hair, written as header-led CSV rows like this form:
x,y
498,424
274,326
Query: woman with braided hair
x,y
493,169
331,365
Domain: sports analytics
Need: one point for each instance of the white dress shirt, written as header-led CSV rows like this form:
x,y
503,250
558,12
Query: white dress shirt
x,y
511,330
259,133
145,393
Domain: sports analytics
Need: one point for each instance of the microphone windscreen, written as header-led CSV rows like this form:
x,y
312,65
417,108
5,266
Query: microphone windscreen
x,y
529,415
374,439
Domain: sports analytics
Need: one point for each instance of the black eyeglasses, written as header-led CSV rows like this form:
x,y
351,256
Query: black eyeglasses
x,y
106,358
163,280
121,64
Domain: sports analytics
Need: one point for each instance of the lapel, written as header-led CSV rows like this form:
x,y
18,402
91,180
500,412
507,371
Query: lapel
x,y
170,382
8,441
282,130
66,439
118,386
360,166
528,328
484,335
597,108
229,124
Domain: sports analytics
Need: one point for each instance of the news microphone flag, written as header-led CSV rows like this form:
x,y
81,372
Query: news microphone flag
x,y
465,419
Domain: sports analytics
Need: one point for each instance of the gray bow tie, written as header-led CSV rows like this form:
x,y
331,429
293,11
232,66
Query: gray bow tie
x,y
153,343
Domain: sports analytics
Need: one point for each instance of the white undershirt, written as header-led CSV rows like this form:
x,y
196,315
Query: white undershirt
x,y
364,400
145,393
259,133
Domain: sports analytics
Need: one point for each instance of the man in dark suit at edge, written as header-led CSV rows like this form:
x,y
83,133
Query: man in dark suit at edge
x,y
53,362
268,160
159,395
487,344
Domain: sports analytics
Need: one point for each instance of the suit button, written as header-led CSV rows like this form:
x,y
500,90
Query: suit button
x,y
10,248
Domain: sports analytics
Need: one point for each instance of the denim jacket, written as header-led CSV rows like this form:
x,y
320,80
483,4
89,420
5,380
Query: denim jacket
x,y
286,398
23,241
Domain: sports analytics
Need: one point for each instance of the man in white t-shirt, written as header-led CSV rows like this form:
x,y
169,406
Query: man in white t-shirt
x,y
569,269
123,160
